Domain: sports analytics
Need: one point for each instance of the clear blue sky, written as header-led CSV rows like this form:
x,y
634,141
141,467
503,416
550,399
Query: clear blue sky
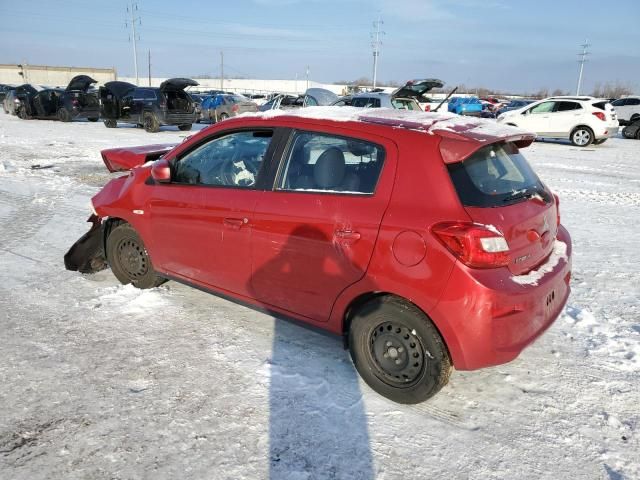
x,y
518,45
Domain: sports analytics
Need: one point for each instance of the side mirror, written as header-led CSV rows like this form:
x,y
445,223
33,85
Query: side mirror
x,y
161,171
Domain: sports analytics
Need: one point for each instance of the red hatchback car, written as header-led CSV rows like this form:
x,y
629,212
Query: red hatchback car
x,y
426,240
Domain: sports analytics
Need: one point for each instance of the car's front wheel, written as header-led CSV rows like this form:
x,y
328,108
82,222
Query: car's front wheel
x,y
398,351
93,119
110,123
582,136
128,258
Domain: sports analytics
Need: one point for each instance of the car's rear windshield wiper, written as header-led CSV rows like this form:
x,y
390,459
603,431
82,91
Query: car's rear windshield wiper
x,y
534,193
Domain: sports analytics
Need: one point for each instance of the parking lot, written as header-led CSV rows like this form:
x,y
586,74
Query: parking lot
x,y
100,380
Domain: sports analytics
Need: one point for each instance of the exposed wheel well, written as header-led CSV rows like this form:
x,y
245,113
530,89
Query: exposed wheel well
x,y
110,224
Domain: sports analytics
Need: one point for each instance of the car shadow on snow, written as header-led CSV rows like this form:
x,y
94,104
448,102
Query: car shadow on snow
x,y
318,424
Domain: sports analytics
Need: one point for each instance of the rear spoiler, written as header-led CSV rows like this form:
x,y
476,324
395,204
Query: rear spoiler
x,y
123,159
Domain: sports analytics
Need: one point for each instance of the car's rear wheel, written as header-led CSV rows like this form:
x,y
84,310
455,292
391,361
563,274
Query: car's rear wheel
x,y
223,116
64,115
599,142
93,119
129,260
151,123
582,136
184,128
398,351
22,114
110,123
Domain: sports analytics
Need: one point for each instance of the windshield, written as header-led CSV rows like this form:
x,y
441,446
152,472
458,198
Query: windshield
x,y
496,175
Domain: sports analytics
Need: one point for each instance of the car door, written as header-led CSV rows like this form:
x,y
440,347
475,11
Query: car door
x,y
565,116
537,117
201,220
314,233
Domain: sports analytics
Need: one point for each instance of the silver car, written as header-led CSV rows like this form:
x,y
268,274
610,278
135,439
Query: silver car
x,y
222,106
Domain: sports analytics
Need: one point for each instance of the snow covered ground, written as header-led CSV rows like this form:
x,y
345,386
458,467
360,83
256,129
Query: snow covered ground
x,y
102,381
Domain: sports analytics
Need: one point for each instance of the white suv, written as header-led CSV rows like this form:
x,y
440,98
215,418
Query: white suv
x,y
628,109
583,120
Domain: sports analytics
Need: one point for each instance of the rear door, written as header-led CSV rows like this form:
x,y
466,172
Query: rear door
x,y
314,234
498,188
565,116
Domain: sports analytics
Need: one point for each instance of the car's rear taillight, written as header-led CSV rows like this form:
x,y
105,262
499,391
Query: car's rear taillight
x,y
475,245
600,115
557,209
427,108
235,108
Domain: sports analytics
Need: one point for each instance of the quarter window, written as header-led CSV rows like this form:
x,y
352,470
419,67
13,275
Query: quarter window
x,y
233,160
327,163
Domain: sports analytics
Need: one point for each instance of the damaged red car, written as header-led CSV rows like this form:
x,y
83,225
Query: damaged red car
x,y
425,240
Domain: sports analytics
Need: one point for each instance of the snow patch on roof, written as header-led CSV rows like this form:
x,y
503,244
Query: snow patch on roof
x,y
558,253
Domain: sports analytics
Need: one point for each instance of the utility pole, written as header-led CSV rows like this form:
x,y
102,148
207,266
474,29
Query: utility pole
x,y
149,67
376,43
582,61
306,72
133,9
222,71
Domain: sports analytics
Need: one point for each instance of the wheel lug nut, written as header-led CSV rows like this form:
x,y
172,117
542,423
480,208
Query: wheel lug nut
x,y
400,349
398,362
389,344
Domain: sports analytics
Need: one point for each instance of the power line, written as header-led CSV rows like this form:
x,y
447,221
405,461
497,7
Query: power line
x,y
582,60
376,45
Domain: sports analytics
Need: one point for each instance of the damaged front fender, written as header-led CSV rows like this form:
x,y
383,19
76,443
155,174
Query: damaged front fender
x,y
87,254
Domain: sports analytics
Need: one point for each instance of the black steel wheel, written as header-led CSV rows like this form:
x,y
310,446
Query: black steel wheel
x,y
398,351
64,115
128,258
110,123
151,123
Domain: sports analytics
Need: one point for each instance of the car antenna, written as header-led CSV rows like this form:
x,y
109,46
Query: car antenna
x,y
445,99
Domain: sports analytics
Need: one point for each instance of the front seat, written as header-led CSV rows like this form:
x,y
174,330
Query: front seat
x,y
329,172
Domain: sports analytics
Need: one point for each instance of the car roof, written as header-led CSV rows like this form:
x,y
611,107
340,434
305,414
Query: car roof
x,y
469,133
371,94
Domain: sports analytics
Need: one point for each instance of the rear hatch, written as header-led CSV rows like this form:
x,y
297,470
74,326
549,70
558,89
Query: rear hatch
x,y
80,82
417,88
611,117
500,190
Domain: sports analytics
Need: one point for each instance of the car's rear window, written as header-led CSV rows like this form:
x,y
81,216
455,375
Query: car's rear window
x,y
495,176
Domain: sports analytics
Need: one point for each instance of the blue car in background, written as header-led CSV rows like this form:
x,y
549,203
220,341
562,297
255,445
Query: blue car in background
x,y
465,106
514,104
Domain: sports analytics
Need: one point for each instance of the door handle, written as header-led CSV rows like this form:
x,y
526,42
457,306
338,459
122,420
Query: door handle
x,y
347,236
235,223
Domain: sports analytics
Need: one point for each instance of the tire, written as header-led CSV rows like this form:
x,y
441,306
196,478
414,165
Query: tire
x,y
93,119
129,260
150,123
64,115
581,136
110,123
22,114
184,128
223,116
599,142
388,331
633,118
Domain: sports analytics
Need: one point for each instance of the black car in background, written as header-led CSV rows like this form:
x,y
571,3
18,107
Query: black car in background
x,y
632,130
78,101
148,107
4,89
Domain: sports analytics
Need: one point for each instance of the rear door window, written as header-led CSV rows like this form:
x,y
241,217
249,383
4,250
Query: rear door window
x,y
366,102
328,163
567,106
495,176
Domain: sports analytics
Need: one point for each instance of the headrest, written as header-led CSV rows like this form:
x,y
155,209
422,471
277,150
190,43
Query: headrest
x,y
329,169
359,149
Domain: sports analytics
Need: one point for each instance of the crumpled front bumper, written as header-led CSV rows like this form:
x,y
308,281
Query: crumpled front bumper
x,y
87,254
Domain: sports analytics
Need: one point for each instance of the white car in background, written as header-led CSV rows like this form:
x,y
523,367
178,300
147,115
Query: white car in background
x,y
628,109
582,120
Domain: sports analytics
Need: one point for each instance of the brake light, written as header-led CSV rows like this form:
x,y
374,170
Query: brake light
x,y
600,115
475,245
235,108
427,108
557,209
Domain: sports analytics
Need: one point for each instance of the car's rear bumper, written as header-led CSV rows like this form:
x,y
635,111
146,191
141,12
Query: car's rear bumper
x,y
609,130
487,317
